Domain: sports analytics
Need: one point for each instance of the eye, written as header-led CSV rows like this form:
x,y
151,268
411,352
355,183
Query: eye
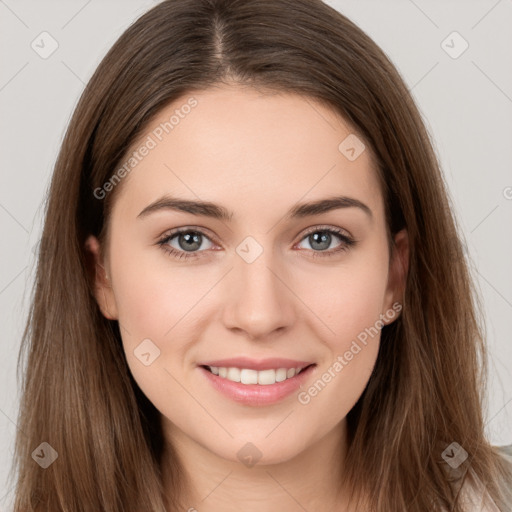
x,y
321,238
188,241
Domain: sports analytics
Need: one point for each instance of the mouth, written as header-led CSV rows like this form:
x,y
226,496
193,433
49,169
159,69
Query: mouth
x,y
251,387
248,376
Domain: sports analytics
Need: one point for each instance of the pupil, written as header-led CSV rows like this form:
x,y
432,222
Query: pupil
x,y
191,239
325,237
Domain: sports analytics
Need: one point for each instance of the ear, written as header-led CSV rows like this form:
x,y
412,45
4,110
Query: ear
x,y
397,276
102,285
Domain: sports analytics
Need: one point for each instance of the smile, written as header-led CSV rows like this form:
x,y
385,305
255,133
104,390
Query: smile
x,y
257,387
248,376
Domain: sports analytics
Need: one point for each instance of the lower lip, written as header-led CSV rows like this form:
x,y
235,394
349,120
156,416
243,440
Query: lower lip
x,y
257,394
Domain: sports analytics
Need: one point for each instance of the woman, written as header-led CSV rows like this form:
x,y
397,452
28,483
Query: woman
x,y
190,345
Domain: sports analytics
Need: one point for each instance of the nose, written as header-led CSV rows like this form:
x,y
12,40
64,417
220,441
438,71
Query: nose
x,y
260,298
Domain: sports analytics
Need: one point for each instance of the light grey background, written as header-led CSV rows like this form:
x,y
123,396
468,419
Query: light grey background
x,y
466,103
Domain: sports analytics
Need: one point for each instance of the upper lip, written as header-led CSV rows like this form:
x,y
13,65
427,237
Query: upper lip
x,y
257,364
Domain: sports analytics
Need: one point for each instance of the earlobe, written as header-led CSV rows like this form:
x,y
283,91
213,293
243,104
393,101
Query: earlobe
x,y
398,270
103,290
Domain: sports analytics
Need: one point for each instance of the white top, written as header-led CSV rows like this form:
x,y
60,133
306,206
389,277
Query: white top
x,y
477,499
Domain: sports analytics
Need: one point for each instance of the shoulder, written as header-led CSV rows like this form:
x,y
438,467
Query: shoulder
x,y
475,498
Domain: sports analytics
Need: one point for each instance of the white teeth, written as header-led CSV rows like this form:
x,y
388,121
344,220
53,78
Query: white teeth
x,y
266,377
248,376
233,374
263,377
281,375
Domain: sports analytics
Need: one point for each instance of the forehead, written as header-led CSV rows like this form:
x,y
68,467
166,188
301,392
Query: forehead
x,y
248,149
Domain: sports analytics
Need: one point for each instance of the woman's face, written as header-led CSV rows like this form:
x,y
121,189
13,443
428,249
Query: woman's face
x,y
258,281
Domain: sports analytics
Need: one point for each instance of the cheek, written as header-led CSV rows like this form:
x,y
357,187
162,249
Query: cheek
x,y
349,302
354,317
155,307
154,303
338,384
346,298
151,293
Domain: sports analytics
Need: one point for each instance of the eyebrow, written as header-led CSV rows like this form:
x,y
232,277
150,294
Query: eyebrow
x,y
215,211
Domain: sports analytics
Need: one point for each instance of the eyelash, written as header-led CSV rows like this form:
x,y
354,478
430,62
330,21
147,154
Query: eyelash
x,y
347,242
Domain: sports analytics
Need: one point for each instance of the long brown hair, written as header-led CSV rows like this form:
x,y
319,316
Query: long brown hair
x,y
428,384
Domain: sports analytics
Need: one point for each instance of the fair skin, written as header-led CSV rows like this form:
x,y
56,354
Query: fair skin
x,y
257,155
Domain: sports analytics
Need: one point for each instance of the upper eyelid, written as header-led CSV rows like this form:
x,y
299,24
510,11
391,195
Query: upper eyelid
x,y
326,227
171,233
